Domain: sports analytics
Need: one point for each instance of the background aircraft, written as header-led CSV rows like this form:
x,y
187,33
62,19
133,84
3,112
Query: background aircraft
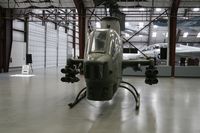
x,y
154,51
190,25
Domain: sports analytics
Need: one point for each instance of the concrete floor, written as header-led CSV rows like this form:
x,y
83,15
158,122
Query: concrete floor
x,y
39,105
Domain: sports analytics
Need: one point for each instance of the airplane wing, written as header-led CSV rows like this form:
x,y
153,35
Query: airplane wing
x,y
189,51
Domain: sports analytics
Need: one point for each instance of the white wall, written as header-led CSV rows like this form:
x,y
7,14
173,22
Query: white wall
x,y
51,45
36,44
18,54
18,51
47,45
62,47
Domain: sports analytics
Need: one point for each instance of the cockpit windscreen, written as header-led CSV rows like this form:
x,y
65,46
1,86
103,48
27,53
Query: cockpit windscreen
x,y
99,42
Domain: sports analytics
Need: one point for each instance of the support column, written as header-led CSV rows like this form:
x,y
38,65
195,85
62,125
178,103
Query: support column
x,y
6,26
81,22
172,35
26,32
74,32
150,28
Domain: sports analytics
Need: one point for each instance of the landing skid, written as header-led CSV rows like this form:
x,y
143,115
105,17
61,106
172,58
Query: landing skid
x,y
82,94
135,93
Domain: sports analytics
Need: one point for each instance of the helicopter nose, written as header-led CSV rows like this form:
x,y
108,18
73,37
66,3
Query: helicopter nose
x,y
95,70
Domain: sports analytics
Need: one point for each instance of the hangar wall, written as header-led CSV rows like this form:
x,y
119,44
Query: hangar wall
x,y
70,49
18,52
62,47
36,44
51,45
47,45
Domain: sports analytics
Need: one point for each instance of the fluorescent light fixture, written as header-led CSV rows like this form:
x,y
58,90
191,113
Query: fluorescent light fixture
x,y
185,34
127,35
140,36
127,24
155,26
198,35
158,9
22,75
141,24
166,35
195,9
142,9
154,34
125,9
98,25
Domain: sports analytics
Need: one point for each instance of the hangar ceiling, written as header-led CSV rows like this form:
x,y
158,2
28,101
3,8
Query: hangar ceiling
x,y
41,3
138,14
90,3
157,3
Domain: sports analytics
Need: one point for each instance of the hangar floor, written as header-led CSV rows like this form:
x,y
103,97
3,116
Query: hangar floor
x,y
39,105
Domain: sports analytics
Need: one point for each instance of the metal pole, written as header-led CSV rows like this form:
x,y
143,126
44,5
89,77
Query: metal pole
x,y
172,35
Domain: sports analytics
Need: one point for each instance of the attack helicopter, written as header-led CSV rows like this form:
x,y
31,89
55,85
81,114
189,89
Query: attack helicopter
x,y
102,65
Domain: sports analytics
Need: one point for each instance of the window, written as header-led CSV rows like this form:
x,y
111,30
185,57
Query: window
x,y
99,42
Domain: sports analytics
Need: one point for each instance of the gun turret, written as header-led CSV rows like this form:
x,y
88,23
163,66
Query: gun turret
x,y
151,75
70,71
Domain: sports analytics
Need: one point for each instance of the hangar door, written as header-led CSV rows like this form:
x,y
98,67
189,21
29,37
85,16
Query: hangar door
x,y
51,45
36,44
62,47
18,51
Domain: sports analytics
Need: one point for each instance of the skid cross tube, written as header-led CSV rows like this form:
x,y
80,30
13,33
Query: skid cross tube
x,y
79,97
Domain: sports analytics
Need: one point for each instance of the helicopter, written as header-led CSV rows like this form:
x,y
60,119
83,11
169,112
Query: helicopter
x,y
102,65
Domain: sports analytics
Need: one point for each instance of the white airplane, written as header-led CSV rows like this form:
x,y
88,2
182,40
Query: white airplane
x,y
154,51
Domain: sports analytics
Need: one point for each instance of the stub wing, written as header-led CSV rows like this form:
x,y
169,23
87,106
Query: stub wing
x,y
135,64
150,73
75,61
73,67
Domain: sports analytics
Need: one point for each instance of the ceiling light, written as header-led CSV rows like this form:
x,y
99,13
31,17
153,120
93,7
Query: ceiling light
x,y
140,36
127,35
127,24
98,25
198,35
195,9
154,34
22,75
141,24
158,9
125,9
185,34
155,26
142,9
166,35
